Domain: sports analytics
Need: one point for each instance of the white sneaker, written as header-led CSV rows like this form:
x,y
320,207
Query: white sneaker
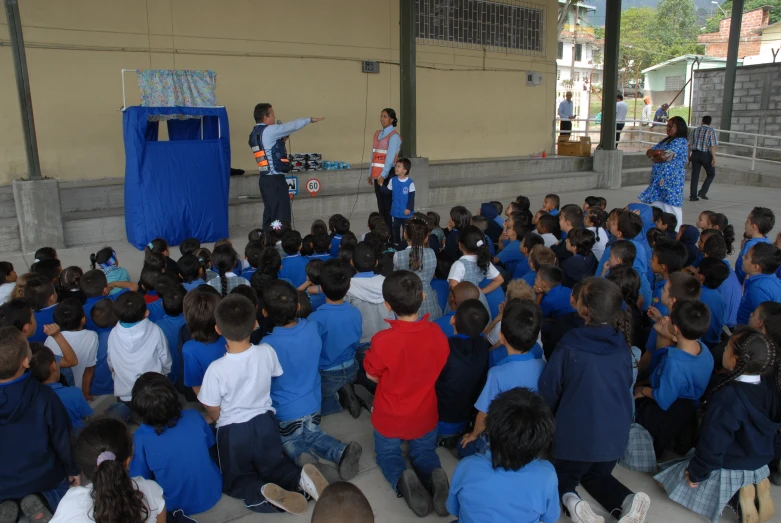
x,y
584,514
638,510
312,481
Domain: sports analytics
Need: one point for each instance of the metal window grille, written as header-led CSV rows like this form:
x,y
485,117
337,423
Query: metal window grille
x,y
511,26
674,83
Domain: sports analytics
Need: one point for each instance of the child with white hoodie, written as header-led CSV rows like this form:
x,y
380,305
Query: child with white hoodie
x,y
365,294
135,345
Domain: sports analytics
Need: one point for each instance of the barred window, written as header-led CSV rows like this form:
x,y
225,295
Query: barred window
x,y
673,83
511,26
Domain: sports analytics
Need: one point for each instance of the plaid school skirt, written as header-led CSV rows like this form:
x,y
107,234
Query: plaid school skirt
x,y
712,494
639,454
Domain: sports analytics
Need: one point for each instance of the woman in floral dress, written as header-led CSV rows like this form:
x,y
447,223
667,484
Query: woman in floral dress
x,y
668,174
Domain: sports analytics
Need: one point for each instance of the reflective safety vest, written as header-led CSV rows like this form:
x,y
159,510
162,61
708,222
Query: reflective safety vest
x,y
380,153
280,163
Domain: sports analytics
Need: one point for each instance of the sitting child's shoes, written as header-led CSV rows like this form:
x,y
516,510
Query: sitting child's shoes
x,y
35,509
348,464
440,489
350,401
414,494
291,502
635,508
312,481
9,512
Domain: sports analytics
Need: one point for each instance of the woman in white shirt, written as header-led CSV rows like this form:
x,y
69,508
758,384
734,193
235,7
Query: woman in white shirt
x,y
105,492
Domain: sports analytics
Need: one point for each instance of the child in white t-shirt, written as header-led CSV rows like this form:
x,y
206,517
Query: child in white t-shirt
x,y
7,280
69,316
236,393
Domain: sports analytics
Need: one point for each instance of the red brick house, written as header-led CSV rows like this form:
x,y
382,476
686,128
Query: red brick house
x,y
750,39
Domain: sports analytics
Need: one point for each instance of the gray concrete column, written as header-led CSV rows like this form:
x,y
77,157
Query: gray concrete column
x,y
608,164
420,175
39,214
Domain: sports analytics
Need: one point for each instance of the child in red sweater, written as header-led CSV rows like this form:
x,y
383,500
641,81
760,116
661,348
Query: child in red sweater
x,y
406,361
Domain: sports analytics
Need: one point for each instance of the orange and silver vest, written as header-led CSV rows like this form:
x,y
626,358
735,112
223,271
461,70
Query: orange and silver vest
x,y
278,163
380,153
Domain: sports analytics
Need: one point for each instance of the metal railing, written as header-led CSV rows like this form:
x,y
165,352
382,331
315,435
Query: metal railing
x,y
638,130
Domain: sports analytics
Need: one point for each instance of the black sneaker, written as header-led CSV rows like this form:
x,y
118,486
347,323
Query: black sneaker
x,y
348,464
414,494
703,196
349,401
693,199
440,489
35,509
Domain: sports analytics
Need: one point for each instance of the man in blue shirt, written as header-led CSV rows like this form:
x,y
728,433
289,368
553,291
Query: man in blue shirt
x,y
760,264
759,223
268,147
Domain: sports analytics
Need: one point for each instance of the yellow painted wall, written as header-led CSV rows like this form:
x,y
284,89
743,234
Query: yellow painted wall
x,y
303,56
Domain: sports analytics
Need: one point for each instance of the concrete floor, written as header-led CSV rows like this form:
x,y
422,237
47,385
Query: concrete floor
x,y
734,201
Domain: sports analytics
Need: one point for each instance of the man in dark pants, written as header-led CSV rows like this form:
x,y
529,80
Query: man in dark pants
x,y
703,144
566,113
267,141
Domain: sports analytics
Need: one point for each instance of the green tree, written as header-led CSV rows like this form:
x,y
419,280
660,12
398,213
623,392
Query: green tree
x,y
712,26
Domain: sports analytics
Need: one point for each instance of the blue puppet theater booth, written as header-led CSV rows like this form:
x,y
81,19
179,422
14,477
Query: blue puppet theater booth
x,y
176,189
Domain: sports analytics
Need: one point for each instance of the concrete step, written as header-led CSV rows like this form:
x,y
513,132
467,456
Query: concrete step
x,y
636,176
9,235
633,160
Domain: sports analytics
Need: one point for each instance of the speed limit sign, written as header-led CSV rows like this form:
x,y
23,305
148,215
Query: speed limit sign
x,y
313,186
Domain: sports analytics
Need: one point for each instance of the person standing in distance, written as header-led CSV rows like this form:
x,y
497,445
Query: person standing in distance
x,y
385,152
267,141
621,109
702,156
566,114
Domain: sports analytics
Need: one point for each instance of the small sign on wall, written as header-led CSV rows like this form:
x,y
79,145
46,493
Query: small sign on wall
x,y
369,66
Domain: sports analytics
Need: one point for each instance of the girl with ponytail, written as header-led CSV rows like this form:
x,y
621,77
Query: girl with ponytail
x,y
721,222
475,267
107,493
107,261
586,384
160,246
224,261
742,415
595,221
421,260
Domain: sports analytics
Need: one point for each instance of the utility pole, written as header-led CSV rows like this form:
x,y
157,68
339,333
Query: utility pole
x,y
407,69
731,68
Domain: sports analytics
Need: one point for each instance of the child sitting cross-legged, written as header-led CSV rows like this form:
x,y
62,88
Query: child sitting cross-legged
x,y
581,263
236,392
512,481
297,394
44,368
405,362
204,345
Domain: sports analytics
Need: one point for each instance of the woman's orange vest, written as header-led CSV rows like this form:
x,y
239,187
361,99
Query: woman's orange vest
x,y
380,153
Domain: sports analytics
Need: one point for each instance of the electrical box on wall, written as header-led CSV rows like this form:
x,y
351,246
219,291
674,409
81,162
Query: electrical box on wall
x,y
368,66
533,78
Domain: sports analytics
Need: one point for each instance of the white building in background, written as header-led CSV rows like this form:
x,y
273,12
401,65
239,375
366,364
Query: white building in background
x,y
769,48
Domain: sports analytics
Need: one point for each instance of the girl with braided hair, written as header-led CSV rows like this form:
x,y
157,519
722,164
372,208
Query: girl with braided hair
x,y
421,260
742,415
225,260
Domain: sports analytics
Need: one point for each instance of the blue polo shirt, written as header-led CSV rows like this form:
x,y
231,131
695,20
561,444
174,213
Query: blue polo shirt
x,y
336,242
102,380
88,305
554,212
317,300
479,492
294,269
679,374
443,322
296,393
511,256
193,284
556,302
197,357
340,327
522,268
325,257
739,262
493,298
530,277
656,298
247,273
732,292
442,288
74,402
171,325
42,317
178,459
518,370
156,311
499,354
756,289
718,315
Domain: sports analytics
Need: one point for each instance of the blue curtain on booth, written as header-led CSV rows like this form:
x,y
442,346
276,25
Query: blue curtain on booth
x,y
176,189
189,129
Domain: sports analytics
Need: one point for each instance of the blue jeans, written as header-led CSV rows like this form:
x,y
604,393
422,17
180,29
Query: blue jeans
x,y
333,379
304,435
422,454
478,446
55,495
118,411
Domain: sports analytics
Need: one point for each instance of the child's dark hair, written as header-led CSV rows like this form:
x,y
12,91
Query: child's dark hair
x,y
692,317
364,258
714,271
767,309
291,242
461,217
629,224
45,253
763,218
189,268
165,283
248,292
598,219
349,239
554,198
49,268
13,350
541,255
104,258
199,314
684,286
224,260
173,300
520,227
154,260
15,313
374,219
41,362
530,239
550,274
548,224
628,281
335,279
280,301
498,205
654,235
255,235
767,256
520,428
332,221
624,250
319,227
417,232
252,253
156,246
304,305
473,242
671,253
38,291
403,291
268,271
582,240
721,222
593,201
236,317
104,315
70,278
346,253
189,246
432,220
342,501
669,220
313,270
321,243
149,278
68,314
481,222
406,163
306,245
204,256
6,268
272,235
156,402
521,321
604,302
471,318
342,225
523,202
573,214
93,283
130,307
100,452
656,213
715,246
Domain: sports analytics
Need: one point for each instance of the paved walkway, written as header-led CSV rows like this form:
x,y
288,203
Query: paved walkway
x,y
734,201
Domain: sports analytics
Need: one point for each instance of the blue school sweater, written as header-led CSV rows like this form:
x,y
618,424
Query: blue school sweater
x,y
171,325
178,459
511,256
679,374
497,355
336,242
42,317
402,197
530,277
718,315
197,357
585,384
522,268
193,284
555,303
451,245
248,273
340,328
732,292
74,402
102,379
517,370
325,257
156,311
739,262
296,393
576,268
294,269
756,289
444,323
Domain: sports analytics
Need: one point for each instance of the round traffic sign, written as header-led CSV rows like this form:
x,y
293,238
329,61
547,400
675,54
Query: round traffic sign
x,y
313,186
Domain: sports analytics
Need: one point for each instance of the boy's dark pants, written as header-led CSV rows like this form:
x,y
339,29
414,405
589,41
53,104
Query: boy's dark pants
x,y
251,456
667,426
596,478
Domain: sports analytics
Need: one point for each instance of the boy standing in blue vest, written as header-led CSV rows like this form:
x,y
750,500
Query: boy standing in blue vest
x,y
402,189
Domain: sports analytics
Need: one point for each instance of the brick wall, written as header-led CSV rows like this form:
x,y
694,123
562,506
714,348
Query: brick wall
x,y
756,106
750,42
